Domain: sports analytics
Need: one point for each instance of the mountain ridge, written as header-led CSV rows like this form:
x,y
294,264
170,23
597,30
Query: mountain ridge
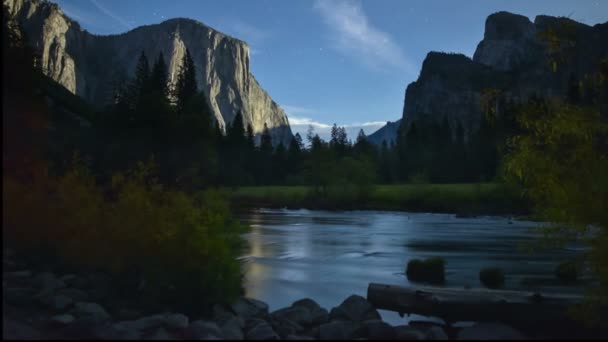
x,y
90,65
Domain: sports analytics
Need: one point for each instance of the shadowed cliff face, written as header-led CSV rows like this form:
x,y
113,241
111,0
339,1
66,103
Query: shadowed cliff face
x,y
91,66
513,59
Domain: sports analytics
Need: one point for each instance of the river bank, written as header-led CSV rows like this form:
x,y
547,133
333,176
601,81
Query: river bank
x,y
462,199
41,304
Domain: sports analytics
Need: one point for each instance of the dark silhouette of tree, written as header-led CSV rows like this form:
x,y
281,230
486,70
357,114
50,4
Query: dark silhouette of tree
x,y
185,87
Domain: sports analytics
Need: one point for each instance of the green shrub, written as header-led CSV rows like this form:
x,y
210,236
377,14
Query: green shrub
x,y
183,246
492,277
567,271
431,270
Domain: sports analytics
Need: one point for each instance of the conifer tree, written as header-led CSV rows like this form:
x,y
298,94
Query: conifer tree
x,y
185,88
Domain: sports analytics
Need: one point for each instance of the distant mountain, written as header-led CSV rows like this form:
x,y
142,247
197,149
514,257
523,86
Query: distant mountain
x,y
512,59
90,66
386,133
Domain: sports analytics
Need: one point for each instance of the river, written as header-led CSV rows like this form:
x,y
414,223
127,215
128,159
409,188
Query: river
x,y
329,255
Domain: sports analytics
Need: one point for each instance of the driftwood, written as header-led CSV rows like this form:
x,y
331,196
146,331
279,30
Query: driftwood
x,y
453,305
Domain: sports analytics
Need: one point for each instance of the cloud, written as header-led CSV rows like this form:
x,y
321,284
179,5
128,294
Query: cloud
x,y
300,125
111,14
353,35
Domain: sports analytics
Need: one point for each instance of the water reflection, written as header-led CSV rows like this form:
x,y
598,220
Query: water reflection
x,y
292,254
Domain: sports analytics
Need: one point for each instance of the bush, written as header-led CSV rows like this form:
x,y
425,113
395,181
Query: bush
x,y
185,247
492,277
431,270
567,271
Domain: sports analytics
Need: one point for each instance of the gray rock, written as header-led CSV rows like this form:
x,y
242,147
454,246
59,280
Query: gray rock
x,y
436,333
299,315
285,327
355,308
90,311
18,296
337,330
248,308
47,282
75,294
199,330
160,334
318,315
253,322
262,331
221,313
232,329
378,330
126,331
299,338
14,330
62,319
56,302
490,331
306,303
405,332
126,314
177,321
67,53
146,323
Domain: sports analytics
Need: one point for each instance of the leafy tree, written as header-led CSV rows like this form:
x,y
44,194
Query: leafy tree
x,y
561,160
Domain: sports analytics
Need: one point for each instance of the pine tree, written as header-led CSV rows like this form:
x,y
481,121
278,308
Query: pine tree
x,y
236,133
186,87
158,78
250,138
266,141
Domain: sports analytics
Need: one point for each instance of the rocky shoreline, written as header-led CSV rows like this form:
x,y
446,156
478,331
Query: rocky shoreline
x,y
41,305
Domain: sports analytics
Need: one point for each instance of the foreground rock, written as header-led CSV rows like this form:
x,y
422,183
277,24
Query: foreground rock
x,y
490,331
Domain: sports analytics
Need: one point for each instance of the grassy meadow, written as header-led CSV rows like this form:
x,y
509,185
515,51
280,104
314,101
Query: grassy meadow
x,y
464,199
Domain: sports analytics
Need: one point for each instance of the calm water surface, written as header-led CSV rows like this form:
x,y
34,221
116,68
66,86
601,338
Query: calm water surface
x,y
328,255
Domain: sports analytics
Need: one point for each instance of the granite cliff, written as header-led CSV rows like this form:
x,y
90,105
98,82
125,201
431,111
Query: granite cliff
x,y
90,65
386,133
513,58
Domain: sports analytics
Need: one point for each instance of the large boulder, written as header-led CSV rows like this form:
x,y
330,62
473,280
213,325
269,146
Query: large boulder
x,y
490,331
318,315
200,330
48,282
337,330
406,332
285,327
355,308
90,311
262,331
250,308
299,315
232,328
177,321
75,294
56,302
62,319
376,330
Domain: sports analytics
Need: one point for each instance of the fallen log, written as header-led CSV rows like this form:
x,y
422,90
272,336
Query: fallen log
x,y
454,305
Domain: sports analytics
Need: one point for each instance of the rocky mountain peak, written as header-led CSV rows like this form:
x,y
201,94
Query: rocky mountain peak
x,y
91,65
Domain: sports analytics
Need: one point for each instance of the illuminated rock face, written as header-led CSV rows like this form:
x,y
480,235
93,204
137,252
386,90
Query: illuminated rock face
x,y
90,66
